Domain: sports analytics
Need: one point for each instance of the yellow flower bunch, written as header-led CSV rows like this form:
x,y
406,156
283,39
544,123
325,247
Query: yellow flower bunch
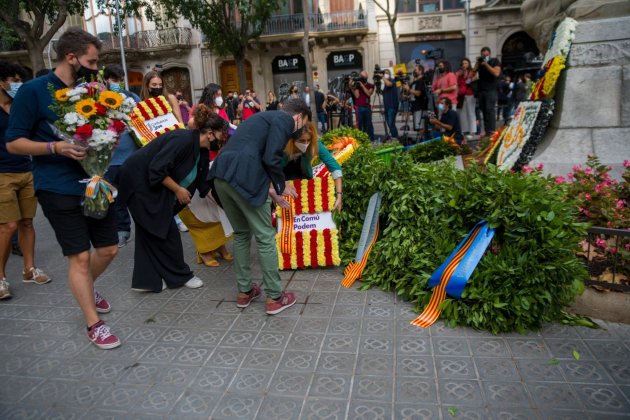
x,y
61,95
86,107
110,99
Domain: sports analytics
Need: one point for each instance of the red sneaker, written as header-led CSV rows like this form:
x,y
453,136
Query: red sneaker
x,y
100,335
275,306
102,306
243,302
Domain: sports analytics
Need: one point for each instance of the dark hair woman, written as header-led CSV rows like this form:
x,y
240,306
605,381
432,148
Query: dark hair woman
x,y
153,86
157,182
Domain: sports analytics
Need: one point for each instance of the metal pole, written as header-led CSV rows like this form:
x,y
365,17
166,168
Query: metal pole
x,y
467,27
122,46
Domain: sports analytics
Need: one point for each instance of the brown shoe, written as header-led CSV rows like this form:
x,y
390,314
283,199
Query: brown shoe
x,y
35,275
5,293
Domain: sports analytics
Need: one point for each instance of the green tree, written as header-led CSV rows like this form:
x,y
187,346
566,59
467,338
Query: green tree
x,y
392,17
36,21
228,25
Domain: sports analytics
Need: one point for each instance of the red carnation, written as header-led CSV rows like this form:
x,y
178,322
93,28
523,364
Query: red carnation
x,y
117,126
84,132
100,109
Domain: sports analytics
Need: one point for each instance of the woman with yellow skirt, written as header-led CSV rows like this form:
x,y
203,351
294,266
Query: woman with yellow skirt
x,y
209,238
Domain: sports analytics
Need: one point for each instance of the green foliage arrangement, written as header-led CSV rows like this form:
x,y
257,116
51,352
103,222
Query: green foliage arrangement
x,y
358,135
525,279
431,151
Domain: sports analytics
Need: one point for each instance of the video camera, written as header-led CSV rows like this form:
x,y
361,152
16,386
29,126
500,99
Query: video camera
x,y
402,78
348,81
481,59
378,73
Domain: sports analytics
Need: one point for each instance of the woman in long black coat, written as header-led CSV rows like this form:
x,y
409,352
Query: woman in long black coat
x,y
156,182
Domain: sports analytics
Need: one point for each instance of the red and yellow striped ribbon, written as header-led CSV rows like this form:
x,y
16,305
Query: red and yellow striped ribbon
x,y
286,234
98,183
432,312
354,270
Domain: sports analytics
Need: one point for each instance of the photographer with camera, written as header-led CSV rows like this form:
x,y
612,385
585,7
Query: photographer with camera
x,y
249,105
390,102
488,69
362,91
418,99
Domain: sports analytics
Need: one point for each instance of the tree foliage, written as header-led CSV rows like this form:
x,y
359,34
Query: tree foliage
x,y
228,25
392,17
36,21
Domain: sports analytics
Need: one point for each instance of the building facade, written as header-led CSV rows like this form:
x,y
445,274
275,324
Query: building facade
x,y
344,36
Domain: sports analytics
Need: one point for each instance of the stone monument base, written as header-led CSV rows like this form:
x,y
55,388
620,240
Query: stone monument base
x,y
592,114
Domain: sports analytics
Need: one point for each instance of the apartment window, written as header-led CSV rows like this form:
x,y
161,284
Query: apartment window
x,y
452,4
406,6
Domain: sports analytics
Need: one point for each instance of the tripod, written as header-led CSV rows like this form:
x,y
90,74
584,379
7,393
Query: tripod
x,y
378,101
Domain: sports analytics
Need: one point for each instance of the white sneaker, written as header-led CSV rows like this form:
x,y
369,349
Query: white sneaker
x,y
194,283
4,289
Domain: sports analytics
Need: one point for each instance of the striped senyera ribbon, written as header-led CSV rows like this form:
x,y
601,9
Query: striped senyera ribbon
x,y
286,234
354,270
432,312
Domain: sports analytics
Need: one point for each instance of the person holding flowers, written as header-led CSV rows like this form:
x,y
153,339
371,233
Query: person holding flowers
x,y
156,183
58,174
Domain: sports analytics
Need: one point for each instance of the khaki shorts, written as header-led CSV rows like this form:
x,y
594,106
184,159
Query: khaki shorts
x,y
17,197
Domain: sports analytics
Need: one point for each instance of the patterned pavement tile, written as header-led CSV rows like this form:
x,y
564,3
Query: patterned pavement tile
x,y
275,407
372,410
250,382
123,397
528,348
460,392
580,372
513,413
336,362
413,390
376,344
378,327
324,409
539,370
506,394
232,407
618,370
305,341
292,384
449,367
416,412
608,349
330,385
340,343
312,325
602,397
496,368
195,404
160,399
372,388
211,379
419,366
375,364
553,395
227,357
262,359
489,347
563,348
344,326
414,346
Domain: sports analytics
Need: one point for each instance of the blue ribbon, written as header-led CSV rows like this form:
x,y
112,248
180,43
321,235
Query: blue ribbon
x,y
469,262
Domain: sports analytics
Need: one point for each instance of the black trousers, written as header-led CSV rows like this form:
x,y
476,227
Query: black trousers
x,y
487,103
156,259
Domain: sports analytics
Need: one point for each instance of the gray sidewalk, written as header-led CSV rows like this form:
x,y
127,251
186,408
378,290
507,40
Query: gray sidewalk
x,y
337,354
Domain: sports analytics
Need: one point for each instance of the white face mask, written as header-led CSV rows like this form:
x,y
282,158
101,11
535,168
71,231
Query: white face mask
x,y
218,101
303,147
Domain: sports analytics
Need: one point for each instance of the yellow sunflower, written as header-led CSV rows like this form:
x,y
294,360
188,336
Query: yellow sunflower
x,y
86,107
110,99
61,95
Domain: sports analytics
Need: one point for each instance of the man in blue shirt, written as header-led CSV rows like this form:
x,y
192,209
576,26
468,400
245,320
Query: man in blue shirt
x,y
449,120
17,196
58,174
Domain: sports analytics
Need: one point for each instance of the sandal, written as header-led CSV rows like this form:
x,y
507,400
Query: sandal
x,y
224,253
208,261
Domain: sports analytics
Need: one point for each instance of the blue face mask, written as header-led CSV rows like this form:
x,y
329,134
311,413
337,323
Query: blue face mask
x,y
441,107
116,87
13,88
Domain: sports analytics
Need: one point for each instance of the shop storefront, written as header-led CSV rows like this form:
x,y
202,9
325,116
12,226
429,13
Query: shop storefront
x,y
288,71
340,64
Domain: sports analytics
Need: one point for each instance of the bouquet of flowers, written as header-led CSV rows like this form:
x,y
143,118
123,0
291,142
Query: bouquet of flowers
x,y
93,117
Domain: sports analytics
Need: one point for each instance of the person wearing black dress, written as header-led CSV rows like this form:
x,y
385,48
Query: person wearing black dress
x,y
156,182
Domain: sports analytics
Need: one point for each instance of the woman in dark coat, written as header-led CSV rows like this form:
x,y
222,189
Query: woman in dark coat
x,y
158,181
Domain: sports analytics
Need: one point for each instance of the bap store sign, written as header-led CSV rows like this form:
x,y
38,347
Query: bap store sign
x,y
307,235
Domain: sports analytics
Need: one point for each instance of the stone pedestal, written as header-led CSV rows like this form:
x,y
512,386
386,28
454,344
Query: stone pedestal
x,y
593,100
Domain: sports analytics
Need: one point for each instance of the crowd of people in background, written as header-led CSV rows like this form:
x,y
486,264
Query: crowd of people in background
x,y
216,179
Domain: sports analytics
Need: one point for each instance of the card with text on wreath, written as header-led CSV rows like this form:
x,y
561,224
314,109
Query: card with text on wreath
x,y
307,235
152,117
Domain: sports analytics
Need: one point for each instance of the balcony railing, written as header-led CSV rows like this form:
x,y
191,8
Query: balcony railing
x,y
143,40
320,22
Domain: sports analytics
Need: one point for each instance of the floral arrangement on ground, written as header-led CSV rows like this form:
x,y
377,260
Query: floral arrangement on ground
x,y
527,276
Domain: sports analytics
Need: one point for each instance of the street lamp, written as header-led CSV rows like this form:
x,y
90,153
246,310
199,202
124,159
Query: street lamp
x,y
122,47
467,9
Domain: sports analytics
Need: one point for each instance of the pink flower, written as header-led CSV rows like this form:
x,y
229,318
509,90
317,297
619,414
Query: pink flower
x,y
570,177
626,163
527,169
600,243
620,204
588,171
587,196
598,188
540,167
577,168
559,180
612,250
627,247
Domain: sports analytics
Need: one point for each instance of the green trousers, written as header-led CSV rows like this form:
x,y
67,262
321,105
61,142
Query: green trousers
x,y
246,221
